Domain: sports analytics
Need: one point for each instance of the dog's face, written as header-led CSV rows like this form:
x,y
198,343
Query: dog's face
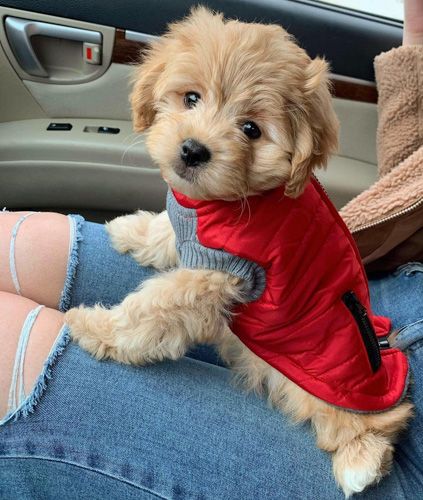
x,y
233,109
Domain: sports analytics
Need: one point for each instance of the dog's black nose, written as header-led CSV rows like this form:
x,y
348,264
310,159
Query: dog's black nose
x,y
193,153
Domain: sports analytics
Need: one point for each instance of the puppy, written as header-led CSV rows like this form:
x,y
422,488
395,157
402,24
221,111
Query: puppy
x,y
234,112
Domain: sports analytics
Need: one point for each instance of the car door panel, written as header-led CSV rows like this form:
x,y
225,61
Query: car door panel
x,y
105,97
85,170
16,101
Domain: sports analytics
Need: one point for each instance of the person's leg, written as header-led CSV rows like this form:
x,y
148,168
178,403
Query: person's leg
x,y
174,430
63,262
170,430
399,295
409,450
185,430
39,260
27,334
34,250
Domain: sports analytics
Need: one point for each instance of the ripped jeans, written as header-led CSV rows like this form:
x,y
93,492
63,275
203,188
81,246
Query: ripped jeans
x,y
176,430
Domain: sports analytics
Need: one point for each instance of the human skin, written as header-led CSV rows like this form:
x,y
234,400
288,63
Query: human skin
x,y
413,22
41,268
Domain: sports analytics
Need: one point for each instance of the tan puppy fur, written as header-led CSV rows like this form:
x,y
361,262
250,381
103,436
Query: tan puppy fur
x,y
242,72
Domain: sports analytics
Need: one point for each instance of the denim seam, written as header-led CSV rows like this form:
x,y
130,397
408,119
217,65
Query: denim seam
x,y
31,401
103,473
75,223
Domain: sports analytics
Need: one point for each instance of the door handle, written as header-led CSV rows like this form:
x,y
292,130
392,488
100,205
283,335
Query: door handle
x,y
19,32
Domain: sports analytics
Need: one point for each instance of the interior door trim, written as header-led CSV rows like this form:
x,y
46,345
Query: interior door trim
x,y
345,87
126,51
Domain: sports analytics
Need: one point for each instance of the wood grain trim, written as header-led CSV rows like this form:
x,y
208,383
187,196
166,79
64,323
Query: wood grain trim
x,y
129,52
353,90
126,51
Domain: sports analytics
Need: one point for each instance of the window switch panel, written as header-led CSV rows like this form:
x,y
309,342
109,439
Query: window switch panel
x,y
60,126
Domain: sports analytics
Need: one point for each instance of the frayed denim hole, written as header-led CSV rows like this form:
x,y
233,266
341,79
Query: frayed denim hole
x,y
29,404
16,391
75,222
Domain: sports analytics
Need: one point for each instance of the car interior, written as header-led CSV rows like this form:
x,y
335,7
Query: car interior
x,y
66,139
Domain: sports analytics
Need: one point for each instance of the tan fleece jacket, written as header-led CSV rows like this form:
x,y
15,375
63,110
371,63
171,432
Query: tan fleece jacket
x,y
387,219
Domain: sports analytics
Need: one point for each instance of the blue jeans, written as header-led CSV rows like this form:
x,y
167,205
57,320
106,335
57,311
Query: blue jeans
x,y
180,430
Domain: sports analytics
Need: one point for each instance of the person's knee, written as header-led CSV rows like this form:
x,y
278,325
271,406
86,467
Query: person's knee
x,y
27,334
34,249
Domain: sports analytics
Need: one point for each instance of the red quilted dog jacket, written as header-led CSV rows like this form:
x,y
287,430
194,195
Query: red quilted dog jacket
x,y
308,312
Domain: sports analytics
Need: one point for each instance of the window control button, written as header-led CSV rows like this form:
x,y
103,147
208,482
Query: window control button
x,y
108,130
59,126
101,130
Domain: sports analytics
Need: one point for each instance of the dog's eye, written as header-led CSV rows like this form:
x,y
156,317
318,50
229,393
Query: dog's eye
x,y
191,99
251,130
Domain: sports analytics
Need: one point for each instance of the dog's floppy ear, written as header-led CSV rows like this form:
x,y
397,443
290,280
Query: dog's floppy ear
x,y
160,55
145,78
314,126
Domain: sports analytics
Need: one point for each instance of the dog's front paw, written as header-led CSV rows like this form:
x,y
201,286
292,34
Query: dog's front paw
x,y
129,232
362,462
92,329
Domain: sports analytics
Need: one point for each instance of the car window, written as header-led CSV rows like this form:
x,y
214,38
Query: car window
x,y
392,9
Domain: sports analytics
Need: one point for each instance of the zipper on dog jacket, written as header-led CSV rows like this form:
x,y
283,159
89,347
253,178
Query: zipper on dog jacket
x,y
307,310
